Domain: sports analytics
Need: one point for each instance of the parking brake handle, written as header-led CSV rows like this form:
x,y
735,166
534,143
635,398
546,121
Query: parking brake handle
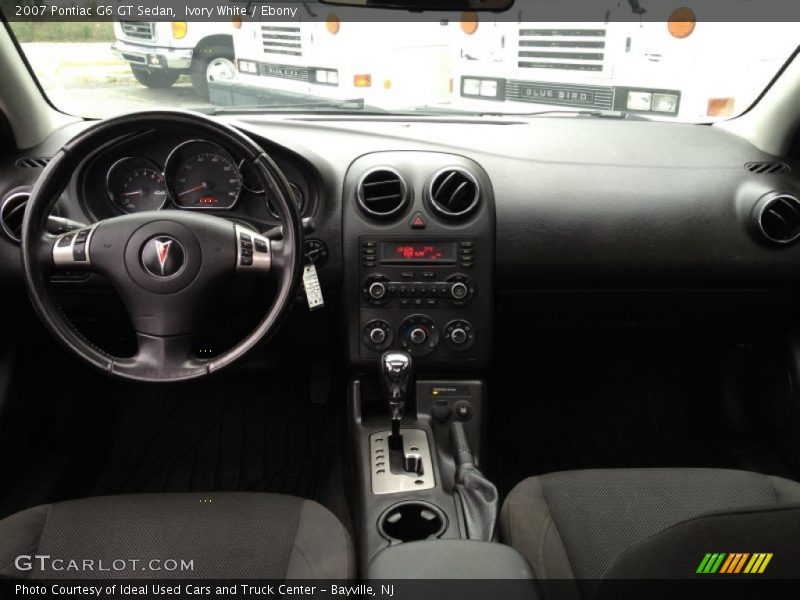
x,y
478,495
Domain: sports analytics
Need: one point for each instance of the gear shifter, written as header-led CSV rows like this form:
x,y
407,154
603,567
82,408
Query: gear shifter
x,y
397,373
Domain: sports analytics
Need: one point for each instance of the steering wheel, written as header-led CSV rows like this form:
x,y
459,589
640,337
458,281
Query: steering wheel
x,y
164,264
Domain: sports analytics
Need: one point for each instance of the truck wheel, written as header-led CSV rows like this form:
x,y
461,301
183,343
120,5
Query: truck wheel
x,y
158,79
211,64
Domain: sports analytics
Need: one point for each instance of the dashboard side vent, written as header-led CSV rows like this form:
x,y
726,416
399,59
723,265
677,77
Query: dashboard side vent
x,y
779,218
454,192
12,211
32,162
382,192
767,167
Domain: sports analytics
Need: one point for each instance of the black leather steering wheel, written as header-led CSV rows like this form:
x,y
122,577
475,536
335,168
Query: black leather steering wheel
x,y
164,264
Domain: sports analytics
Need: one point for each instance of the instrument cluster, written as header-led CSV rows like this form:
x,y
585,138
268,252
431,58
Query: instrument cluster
x,y
188,174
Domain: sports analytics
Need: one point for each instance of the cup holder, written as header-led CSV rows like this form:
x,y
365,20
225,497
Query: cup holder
x,y
412,521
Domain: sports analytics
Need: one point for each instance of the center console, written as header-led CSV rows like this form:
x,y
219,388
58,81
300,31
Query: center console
x,y
418,233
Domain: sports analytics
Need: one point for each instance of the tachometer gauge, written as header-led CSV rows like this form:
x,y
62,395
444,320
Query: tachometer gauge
x,y
202,175
136,185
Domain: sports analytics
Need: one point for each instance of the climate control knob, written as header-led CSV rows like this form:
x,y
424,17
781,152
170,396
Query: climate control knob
x,y
378,335
459,335
418,335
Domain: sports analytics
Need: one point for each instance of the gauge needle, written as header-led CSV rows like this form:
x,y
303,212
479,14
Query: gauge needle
x,y
134,193
202,186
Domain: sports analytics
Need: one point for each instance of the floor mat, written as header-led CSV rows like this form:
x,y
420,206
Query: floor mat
x,y
233,433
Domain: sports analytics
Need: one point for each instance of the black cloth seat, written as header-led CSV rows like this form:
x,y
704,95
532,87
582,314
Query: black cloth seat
x,y
225,535
593,525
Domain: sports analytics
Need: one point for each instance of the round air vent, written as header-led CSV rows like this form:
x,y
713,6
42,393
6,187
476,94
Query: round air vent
x,y
454,192
299,200
382,192
778,218
11,213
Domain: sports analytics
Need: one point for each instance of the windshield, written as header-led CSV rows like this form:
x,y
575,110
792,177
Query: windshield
x,y
316,59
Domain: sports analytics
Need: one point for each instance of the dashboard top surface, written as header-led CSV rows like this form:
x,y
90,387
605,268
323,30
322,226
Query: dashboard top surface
x,y
579,202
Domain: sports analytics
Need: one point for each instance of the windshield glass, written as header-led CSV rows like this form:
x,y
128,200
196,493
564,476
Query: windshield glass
x,y
317,59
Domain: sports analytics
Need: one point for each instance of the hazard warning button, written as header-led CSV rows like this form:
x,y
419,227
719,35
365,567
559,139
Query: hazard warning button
x,y
418,221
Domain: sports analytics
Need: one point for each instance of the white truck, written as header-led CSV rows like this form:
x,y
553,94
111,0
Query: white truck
x,y
328,53
160,52
670,64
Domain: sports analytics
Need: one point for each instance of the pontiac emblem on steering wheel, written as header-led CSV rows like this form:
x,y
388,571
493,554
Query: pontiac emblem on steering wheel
x,y
163,256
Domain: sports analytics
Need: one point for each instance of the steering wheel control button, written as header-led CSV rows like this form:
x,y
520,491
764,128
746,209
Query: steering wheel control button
x,y
71,249
65,241
253,252
459,335
419,335
378,335
163,256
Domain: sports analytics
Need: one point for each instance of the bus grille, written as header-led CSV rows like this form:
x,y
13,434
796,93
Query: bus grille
x,y
575,49
281,40
137,30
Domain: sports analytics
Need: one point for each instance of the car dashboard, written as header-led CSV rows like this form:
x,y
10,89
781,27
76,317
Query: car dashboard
x,y
421,223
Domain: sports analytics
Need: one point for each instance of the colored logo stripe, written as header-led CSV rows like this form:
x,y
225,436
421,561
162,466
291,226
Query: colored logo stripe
x,y
734,562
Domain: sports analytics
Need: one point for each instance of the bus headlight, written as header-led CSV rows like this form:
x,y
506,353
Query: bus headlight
x,y
326,76
667,103
639,100
248,66
484,88
179,29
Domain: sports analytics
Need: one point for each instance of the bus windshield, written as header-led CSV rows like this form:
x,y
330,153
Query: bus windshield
x,y
675,69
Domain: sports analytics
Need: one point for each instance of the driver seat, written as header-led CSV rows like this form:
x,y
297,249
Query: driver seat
x,y
224,535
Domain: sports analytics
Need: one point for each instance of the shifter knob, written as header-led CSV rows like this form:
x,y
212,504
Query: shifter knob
x,y
396,373
396,369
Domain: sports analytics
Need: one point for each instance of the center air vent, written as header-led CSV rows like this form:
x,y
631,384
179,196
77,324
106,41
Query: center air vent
x,y
454,192
779,218
766,167
382,192
11,213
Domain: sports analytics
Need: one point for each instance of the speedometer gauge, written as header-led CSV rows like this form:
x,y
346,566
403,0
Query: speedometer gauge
x,y
136,185
202,175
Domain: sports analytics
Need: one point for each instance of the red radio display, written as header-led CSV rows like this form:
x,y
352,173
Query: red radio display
x,y
424,252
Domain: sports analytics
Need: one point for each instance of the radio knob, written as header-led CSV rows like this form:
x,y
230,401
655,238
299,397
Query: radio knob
x,y
458,336
418,335
377,336
377,290
459,290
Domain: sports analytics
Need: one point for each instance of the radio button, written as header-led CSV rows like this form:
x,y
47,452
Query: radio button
x,y
458,290
377,290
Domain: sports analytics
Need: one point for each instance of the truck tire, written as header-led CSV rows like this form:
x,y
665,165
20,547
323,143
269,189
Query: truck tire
x,y
208,64
156,78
